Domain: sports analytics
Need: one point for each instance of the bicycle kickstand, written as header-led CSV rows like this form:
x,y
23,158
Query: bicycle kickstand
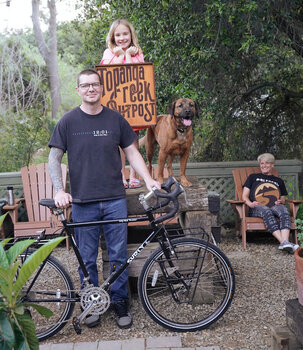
x,y
78,320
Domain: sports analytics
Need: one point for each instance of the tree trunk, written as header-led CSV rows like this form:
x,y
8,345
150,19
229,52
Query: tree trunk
x,y
49,52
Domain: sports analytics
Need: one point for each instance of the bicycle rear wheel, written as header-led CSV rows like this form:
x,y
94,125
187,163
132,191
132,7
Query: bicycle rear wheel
x,y
52,283
189,290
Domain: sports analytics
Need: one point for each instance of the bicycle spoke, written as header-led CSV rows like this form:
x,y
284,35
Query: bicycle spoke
x,y
190,290
52,289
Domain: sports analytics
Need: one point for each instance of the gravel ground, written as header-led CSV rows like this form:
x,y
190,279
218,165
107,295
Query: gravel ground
x,y
265,279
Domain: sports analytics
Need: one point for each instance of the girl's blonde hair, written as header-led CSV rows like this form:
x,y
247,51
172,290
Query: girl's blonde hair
x,y
267,157
110,38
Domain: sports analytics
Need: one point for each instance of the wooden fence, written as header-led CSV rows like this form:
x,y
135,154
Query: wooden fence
x,y
216,176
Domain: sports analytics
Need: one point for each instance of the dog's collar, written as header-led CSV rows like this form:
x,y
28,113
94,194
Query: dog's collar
x,y
181,130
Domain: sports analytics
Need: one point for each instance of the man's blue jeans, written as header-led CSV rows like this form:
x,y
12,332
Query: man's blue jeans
x,y
87,239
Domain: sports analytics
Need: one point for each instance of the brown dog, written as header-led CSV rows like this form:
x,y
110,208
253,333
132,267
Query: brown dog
x,y
174,135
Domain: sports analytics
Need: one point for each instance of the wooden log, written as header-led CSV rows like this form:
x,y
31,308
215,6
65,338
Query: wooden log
x,y
195,198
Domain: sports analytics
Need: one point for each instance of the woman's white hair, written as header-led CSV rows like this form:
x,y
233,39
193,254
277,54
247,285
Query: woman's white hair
x,y
267,157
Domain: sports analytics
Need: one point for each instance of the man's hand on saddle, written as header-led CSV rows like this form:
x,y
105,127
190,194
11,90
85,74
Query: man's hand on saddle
x,y
62,199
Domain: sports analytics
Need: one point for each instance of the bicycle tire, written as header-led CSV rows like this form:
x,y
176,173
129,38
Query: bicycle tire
x,y
52,278
209,292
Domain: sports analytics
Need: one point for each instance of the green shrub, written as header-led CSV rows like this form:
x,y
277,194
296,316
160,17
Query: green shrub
x,y
17,329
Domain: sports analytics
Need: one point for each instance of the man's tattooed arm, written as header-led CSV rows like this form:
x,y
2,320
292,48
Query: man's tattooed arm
x,y
54,167
62,198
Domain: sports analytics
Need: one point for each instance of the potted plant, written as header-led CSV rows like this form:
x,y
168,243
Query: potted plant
x,y
17,329
299,260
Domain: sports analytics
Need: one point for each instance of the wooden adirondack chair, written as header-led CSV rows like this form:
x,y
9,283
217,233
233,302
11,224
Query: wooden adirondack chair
x,y
36,185
246,223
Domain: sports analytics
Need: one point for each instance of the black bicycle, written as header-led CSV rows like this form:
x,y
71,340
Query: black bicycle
x,y
190,275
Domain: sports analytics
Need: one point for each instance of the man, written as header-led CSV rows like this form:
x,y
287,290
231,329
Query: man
x,y
91,135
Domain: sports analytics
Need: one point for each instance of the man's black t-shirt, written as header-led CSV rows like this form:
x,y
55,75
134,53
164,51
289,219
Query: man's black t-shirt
x,y
92,144
265,189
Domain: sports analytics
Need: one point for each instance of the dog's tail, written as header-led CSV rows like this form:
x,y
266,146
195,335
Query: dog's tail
x,y
142,141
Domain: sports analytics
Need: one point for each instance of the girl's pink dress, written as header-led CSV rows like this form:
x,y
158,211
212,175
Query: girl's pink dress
x,y
109,55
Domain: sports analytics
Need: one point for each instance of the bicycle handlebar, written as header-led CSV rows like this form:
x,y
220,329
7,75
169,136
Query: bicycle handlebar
x,y
169,196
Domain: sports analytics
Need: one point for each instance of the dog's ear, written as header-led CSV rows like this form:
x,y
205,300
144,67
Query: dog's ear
x,y
172,109
197,109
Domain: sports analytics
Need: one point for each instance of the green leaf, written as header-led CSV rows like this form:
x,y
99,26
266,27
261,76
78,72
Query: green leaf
x,y
5,291
33,262
2,218
6,330
44,311
7,277
27,328
19,309
4,345
5,241
15,250
3,257
20,340
4,275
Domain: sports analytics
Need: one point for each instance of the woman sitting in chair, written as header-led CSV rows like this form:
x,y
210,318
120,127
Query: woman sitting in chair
x,y
265,194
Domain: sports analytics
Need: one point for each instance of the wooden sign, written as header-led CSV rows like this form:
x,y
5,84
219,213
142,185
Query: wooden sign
x,y
130,90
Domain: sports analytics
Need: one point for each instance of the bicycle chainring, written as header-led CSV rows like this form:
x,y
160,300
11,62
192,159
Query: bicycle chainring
x,y
98,296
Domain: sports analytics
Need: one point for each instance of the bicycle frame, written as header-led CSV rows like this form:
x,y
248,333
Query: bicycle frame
x,y
115,274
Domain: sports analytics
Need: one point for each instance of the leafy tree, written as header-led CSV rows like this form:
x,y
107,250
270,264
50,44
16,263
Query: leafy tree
x,y
71,48
241,60
23,76
48,50
24,103
22,135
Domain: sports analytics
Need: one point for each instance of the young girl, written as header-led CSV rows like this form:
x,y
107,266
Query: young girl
x,y
123,47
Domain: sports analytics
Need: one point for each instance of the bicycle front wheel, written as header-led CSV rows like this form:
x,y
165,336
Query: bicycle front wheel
x,y
52,288
188,290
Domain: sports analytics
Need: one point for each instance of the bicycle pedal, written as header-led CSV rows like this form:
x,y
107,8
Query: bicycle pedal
x,y
76,325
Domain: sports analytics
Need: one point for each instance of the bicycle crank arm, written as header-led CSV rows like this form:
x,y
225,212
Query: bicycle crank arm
x,y
78,320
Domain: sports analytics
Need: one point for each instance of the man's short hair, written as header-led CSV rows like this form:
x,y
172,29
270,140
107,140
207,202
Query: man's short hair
x,y
88,72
